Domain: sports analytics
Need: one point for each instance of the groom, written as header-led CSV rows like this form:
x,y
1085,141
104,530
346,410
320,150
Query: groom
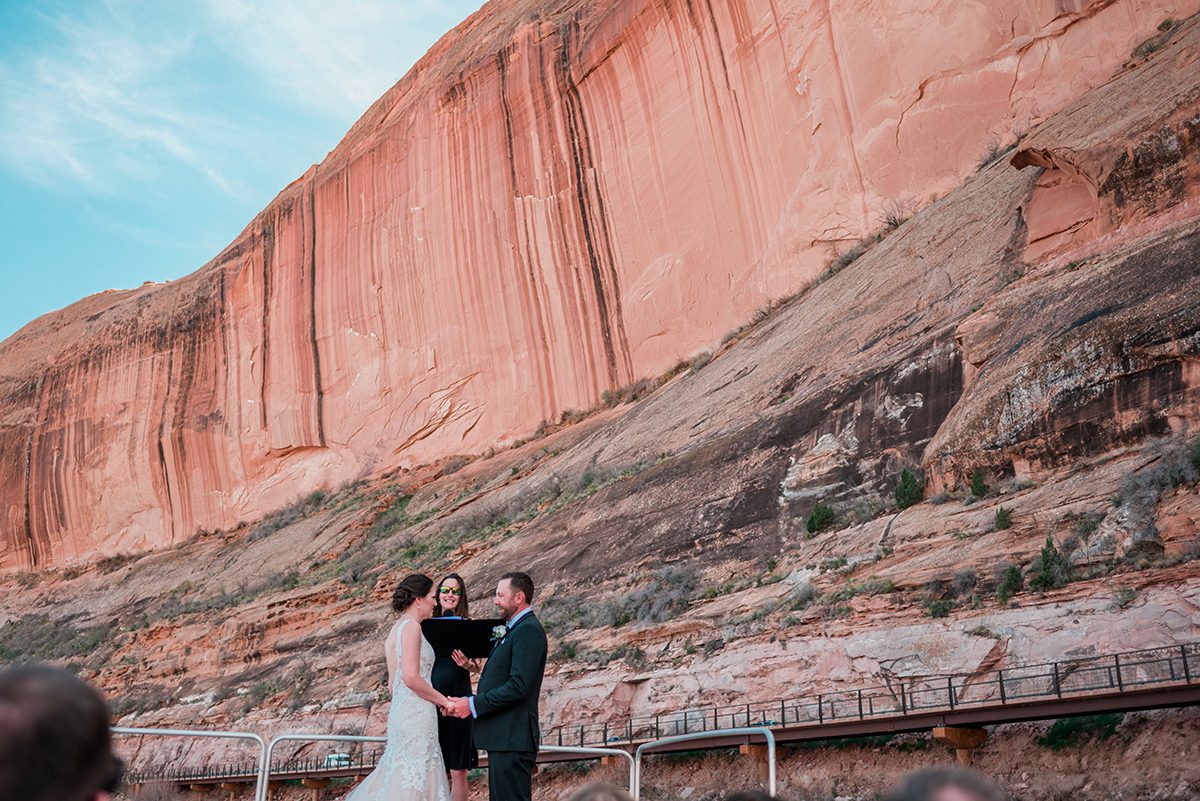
x,y
505,706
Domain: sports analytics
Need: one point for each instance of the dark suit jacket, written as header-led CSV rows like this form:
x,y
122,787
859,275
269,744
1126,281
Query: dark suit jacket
x,y
506,700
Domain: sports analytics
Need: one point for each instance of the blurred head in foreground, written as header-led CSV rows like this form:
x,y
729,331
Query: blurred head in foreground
x,y
944,784
600,791
55,743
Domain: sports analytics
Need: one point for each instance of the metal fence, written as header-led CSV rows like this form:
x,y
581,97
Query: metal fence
x,y
759,731
1068,678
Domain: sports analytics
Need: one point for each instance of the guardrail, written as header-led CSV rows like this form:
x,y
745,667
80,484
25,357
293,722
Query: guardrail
x,y
1069,678
268,771
264,776
597,753
1076,678
261,784
683,738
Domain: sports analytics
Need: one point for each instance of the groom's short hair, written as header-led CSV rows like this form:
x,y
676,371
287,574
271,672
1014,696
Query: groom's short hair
x,y
521,582
55,741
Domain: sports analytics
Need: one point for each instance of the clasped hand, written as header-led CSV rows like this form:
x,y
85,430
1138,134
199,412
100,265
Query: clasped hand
x,y
456,708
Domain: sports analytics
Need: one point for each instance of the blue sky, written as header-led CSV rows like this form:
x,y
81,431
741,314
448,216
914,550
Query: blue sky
x,y
138,138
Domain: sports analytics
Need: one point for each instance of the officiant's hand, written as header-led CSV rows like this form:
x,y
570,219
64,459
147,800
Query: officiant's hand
x,y
461,660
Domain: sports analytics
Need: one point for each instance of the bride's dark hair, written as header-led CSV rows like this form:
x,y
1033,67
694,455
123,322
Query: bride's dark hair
x,y
410,588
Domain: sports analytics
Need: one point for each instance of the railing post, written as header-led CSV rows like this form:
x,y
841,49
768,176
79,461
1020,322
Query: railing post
x,y
657,733
1000,676
716,723
747,716
950,690
783,713
1057,686
1120,681
903,700
1187,674
820,711
860,714
629,735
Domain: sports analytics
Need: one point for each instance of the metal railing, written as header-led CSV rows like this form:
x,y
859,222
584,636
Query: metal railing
x,y
683,738
596,753
264,776
1069,678
1065,679
260,788
304,765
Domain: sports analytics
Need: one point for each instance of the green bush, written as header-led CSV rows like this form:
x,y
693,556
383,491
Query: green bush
x,y
820,518
978,487
1051,569
1068,732
1011,582
909,491
1003,519
939,608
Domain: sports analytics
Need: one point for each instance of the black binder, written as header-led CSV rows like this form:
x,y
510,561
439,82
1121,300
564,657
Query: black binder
x,y
473,637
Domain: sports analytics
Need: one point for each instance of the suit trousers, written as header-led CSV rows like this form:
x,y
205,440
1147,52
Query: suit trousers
x,y
510,775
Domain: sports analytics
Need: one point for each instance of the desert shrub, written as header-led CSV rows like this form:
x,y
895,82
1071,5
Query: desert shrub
x,y
1069,732
820,518
454,464
978,487
909,491
964,583
37,637
662,599
993,151
1123,597
1009,582
1051,569
850,256
803,595
1003,519
699,362
288,515
939,607
392,518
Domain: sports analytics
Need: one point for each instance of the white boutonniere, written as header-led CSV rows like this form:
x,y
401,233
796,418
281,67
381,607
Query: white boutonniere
x,y
498,633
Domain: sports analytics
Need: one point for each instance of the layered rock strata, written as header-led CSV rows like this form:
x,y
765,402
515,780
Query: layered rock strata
x,y
558,199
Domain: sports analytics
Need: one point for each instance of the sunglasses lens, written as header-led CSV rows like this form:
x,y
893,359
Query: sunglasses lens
x,y
450,591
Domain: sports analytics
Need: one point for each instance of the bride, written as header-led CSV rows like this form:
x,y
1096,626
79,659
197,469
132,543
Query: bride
x,y
411,768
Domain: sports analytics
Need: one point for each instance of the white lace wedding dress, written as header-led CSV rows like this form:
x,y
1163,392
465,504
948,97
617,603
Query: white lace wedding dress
x,y
411,768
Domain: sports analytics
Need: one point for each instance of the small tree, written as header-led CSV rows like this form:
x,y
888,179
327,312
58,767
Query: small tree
x,y
909,491
1051,569
820,518
978,487
1003,519
1011,583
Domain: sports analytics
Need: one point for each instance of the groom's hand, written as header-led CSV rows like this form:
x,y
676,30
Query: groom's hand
x,y
459,708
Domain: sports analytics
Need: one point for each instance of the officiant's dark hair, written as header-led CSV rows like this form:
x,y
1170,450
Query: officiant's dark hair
x,y
410,588
461,609
55,742
521,582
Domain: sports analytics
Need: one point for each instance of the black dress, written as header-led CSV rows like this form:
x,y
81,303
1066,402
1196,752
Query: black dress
x,y
454,734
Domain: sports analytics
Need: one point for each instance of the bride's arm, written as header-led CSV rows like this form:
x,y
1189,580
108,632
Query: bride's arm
x,y
410,666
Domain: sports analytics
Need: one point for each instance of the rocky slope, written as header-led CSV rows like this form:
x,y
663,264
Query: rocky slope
x,y
561,198
1034,360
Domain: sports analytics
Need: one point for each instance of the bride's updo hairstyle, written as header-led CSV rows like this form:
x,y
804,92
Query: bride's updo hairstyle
x,y
412,587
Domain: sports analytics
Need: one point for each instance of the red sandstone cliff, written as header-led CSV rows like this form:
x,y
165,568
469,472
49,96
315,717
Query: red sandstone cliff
x,y
558,199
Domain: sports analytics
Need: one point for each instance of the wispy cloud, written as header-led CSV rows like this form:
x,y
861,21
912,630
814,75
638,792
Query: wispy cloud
x,y
98,108
334,57
121,93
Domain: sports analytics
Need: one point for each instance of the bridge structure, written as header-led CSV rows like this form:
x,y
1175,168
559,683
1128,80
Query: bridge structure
x,y
1166,676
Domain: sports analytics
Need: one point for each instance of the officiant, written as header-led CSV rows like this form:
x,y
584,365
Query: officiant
x,y
452,677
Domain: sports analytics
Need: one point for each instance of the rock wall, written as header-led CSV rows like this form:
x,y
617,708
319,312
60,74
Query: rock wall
x,y
558,199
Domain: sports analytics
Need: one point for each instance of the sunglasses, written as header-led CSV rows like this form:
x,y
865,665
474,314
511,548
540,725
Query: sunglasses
x,y
455,591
